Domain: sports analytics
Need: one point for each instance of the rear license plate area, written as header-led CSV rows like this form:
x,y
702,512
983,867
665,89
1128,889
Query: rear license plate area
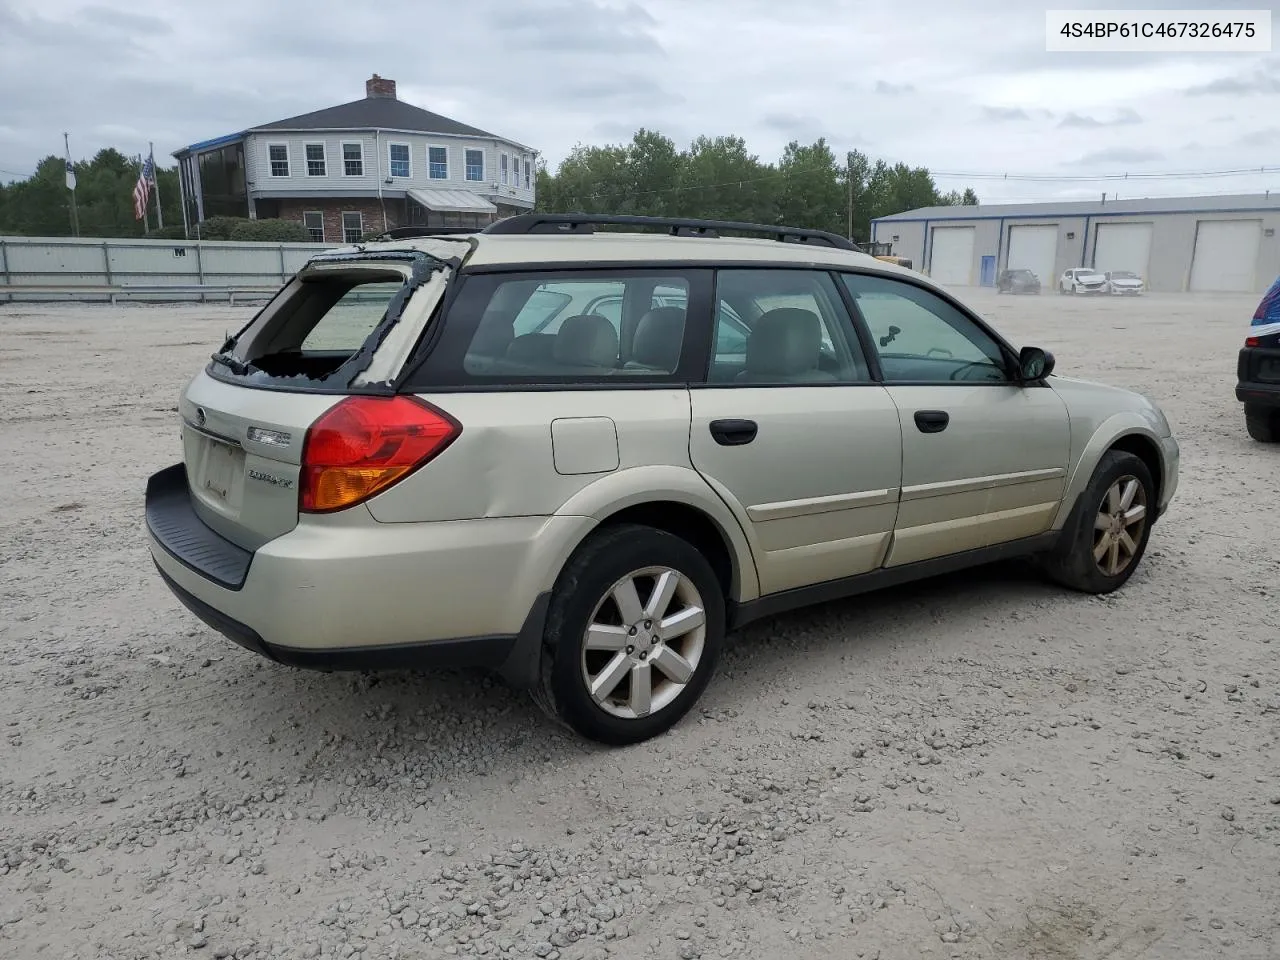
x,y
1269,369
219,476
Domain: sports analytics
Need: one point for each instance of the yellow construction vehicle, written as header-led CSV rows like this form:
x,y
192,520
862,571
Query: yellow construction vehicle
x,y
884,251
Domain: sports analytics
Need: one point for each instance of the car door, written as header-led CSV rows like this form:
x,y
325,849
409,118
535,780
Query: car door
x,y
984,457
791,430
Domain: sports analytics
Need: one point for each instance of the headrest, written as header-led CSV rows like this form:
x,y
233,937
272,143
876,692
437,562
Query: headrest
x,y
659,335
785,342
493,336
586,340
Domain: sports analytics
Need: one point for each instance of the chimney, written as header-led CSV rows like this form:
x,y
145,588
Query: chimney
x,y
377,86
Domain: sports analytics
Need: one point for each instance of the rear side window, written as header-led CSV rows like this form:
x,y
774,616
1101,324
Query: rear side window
x,y
783,327
574,328
625,325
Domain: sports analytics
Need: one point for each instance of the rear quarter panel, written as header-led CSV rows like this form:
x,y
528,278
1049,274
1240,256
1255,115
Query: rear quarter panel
x,y
505,462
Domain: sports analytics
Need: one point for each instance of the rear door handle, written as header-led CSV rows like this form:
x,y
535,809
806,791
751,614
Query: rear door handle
x,y
733,433
932,421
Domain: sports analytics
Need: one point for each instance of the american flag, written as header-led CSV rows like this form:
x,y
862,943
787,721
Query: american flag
x,y
142,189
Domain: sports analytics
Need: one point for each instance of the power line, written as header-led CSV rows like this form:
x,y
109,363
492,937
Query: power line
x,y
1095,178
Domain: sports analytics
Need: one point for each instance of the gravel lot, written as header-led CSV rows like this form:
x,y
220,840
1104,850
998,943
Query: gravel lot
x,y
980,766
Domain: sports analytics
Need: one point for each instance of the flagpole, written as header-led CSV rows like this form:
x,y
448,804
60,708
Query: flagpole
x,y
155,182
146,220
71,185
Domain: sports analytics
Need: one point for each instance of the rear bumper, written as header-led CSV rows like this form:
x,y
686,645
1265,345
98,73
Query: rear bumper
x,y
514,656
344,591
1250,365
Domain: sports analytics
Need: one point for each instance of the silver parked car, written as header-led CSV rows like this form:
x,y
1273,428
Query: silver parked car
x,y
1124,283
580,459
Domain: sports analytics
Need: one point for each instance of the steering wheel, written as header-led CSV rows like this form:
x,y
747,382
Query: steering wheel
x,y
955,374
939,351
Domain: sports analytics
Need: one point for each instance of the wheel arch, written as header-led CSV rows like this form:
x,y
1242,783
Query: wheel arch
x,y
1124,431
679,501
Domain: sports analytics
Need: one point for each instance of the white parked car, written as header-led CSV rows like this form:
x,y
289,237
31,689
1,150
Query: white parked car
x,y
580,459
1124,283
1082,280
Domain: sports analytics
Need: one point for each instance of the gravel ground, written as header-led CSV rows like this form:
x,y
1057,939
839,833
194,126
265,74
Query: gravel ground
x,y
979,766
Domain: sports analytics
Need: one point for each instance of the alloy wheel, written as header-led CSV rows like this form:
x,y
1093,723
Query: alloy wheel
x,y
1119,525
644,642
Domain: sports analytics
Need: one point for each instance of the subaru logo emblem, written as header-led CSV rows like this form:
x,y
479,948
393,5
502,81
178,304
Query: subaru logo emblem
x,y
199,416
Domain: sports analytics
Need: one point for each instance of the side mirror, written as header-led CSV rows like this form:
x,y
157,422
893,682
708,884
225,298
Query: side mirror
x,y
1034,363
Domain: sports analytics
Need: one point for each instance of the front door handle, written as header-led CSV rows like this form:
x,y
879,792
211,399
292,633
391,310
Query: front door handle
x,y
733,433
932,421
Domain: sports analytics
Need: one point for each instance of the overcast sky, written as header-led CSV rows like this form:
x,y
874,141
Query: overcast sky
x,y
954,85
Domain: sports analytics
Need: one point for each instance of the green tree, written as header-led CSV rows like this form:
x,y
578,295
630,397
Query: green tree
x,y
809,191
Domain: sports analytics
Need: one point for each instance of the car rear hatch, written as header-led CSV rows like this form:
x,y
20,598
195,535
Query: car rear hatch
x,y
346,325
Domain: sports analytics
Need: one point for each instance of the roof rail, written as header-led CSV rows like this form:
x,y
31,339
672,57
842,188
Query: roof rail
x,y
527,223
408,233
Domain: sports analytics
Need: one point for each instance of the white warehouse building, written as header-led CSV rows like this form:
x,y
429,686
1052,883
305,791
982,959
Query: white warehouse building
x,y
1202,244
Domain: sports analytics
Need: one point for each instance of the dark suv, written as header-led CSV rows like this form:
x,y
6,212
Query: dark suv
x,y
1018,281
1258,370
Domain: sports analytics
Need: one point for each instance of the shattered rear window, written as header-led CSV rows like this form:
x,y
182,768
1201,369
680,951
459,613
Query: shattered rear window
x,y
347,324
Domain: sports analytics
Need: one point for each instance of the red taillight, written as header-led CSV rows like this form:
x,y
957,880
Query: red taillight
x,y
1250,341
363,445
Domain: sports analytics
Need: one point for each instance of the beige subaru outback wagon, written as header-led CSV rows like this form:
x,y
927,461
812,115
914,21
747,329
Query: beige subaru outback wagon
x,y
580,457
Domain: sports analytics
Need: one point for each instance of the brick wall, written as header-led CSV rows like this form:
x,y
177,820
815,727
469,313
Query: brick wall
x,y
333,209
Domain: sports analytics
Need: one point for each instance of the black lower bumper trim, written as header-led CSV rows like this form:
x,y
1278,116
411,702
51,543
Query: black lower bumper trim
x,y
1258,394
173,521
513,656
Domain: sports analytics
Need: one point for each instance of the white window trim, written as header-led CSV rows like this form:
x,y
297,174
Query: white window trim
x,y
324,158
504,163
483,164
343,221
288,161
528,174
318,213
408,147
352,143
447,171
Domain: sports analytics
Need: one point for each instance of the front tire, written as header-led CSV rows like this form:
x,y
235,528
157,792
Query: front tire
x,y
1263,423
634,630
1107,536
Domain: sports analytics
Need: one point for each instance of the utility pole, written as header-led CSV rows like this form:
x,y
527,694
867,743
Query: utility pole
x,y
155,183
849,177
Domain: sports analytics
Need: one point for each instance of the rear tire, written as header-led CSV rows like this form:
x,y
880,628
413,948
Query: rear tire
x,y
1106,537
1263,423
610,672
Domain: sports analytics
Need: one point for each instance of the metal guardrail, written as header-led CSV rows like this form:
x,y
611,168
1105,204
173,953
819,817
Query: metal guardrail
x,y
71,291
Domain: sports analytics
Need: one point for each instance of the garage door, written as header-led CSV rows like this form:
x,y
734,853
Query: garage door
x,y
1226,255
951,260
1123,246
1034,248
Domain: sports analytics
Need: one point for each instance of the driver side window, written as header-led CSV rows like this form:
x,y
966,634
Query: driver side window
x,y
922,338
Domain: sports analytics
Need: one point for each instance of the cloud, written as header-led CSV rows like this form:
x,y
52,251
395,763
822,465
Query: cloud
x,y
1004,114
125,22
893,89
1260,138
1126,116
1119,155
794,126
1265,79
946,89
